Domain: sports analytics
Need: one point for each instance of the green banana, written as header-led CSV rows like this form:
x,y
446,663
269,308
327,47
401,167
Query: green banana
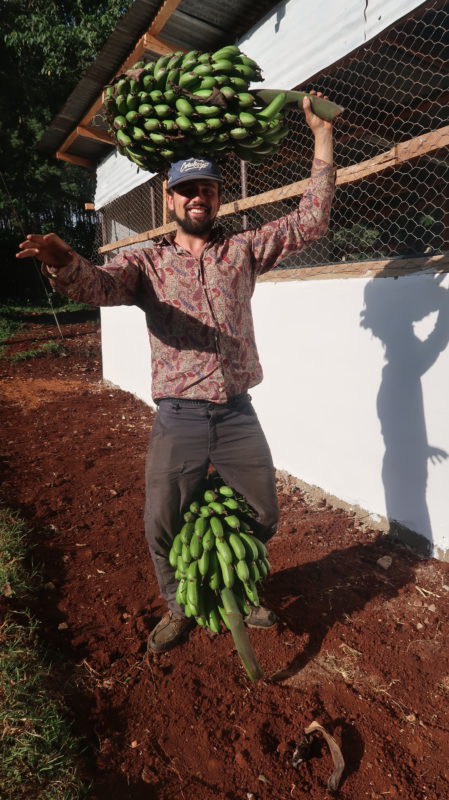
x,y
243,571
226,491
227,571
247,120
192,570
246,100
217,508
239,83
224,550
186,532
273,108
224,616
206,511
195,507
196,547
262,566
217,527
222,65
132,102
254,572
213,621
231,503
229,51
208,540
252,551
182,567
120,102
233,521
184,107
120,122
154,124
187,79
185,554
173,558
260,547
123,139
169,125
237,545
209,496
202,70
204,562
145,110
193,596
206,111
181,592
214,571
252,593
177,544
200,526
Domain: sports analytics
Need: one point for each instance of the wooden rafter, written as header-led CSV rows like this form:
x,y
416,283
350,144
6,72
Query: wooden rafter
x,y
81,162
148,41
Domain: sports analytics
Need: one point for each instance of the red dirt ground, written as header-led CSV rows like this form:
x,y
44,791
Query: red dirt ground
x,y
360,647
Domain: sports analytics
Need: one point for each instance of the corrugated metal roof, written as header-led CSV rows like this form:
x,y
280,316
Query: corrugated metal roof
x,y
193,25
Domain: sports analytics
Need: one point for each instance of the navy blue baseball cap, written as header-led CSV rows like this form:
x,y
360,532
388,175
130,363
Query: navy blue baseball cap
x,y
195,168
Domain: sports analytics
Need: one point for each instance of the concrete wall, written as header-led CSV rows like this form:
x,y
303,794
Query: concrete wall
x,y
356,389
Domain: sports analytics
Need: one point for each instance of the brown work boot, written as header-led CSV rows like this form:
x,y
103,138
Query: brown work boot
x,y
261,617
168,632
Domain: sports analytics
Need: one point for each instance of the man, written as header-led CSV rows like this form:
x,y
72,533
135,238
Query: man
x,y
195,288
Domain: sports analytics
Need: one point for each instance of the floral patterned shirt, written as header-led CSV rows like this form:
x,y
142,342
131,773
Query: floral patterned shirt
x,y
198,310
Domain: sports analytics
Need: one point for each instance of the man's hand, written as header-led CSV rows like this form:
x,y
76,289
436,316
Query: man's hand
x,y
49,249
321,129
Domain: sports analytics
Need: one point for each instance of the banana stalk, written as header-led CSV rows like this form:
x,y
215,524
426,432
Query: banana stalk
x,y
325,109
240,635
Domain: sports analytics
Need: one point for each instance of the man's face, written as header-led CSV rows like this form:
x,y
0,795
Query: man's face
x,y
194,205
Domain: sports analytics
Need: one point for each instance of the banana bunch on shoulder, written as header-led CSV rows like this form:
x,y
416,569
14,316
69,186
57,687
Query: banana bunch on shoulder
x,y
193,103
216,550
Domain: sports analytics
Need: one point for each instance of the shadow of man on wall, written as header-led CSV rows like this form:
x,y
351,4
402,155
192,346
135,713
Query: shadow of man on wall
x,y
392,307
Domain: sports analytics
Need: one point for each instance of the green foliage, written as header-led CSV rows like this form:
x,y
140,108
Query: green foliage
x,y
357,242
45,47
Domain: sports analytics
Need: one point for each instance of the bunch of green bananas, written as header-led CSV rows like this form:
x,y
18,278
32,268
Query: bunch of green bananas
x,y
187,104
216,550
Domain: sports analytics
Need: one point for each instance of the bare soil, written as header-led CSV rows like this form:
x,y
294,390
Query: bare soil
x,y
361,646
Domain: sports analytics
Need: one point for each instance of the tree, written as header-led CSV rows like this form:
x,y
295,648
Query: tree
x,y
47,46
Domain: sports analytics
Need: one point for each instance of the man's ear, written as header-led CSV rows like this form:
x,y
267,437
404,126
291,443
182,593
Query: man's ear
x,y
170,204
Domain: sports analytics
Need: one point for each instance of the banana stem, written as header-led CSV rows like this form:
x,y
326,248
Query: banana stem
x,y
240,635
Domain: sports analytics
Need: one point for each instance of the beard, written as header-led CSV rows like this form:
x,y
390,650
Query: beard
x,y
195,227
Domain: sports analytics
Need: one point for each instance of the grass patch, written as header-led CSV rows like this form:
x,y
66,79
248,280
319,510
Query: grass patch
x,y
48,348
10,323
38,751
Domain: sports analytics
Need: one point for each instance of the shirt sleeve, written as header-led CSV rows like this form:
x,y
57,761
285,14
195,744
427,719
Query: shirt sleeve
x,y
119,282
275,240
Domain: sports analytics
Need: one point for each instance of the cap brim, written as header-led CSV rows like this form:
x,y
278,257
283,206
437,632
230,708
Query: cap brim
x,y
194,177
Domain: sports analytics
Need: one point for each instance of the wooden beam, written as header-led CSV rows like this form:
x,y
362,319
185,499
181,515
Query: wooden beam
x,y
386,268
89,206
95,133
82,162
137,238
158,45
163,15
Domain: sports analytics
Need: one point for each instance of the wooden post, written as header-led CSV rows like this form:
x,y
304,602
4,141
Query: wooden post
x,y
244,189
164,203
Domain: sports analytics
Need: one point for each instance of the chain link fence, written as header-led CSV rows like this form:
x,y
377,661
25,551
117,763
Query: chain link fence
x,y
391,152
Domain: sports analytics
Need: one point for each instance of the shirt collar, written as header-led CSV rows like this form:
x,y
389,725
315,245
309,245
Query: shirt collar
x,y
216,233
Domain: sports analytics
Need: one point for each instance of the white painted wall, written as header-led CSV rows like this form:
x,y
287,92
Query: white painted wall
x,y
346,407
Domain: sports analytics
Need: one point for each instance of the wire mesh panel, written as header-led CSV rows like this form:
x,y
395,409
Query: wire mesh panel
x,y
391,153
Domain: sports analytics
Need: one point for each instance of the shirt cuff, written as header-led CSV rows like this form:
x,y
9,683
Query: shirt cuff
x,y
53,271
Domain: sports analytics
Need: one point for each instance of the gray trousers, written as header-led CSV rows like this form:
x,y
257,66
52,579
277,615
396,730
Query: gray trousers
x,y
188,436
